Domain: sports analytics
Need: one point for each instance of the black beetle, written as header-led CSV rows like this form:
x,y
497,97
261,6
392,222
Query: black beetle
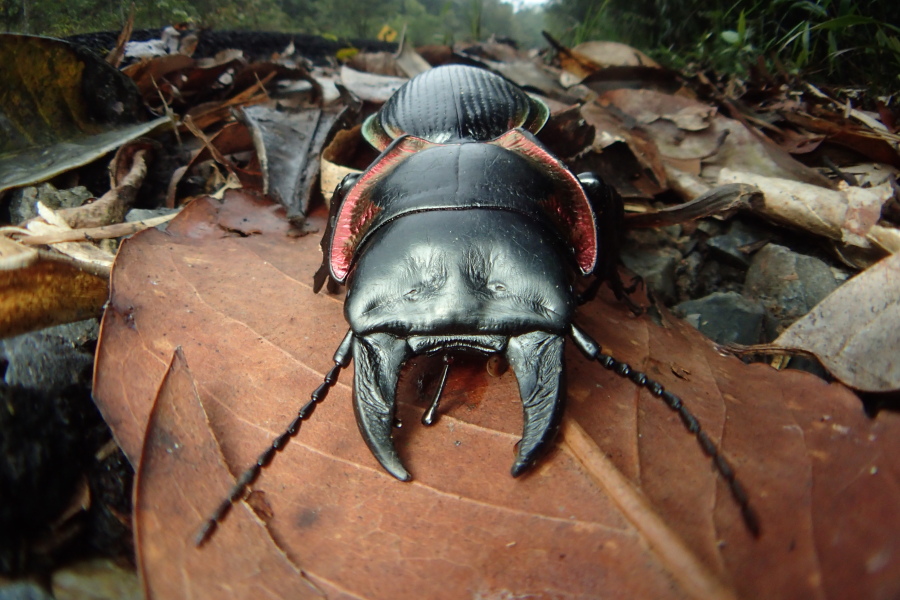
x,y
466,236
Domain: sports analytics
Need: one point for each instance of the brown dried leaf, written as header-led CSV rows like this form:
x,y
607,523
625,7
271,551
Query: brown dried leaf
x,y
178,445
148,74
634,78
335,158
116,55
376,63
526,73
876,145
687,129
590,57
650,179
86,255
660,524
129,168
233,138
854,331
409,62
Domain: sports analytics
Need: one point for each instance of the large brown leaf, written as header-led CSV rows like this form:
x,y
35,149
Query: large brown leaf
x,y
169,497
625,506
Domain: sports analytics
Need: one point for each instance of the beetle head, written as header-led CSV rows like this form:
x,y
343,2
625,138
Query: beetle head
x,y
478,281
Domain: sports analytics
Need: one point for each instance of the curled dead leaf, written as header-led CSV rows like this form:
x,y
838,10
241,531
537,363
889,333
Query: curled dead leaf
x,y
849,215
686,129
41,289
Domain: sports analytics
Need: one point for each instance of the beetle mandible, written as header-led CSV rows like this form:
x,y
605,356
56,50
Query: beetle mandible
x,y
465,236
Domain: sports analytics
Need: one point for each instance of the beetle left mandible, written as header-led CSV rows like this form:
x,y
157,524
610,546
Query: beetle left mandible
x,y
465,236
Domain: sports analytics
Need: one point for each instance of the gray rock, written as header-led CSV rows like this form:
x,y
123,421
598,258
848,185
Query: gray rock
x,y
788,284
23,590
729,248
22,202
142,214
725,317
50,359
711,227
656,266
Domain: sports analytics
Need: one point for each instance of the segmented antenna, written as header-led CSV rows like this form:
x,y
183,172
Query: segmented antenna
x,y
592,350
341,360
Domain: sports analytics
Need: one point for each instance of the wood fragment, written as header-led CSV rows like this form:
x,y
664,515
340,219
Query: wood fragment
x,y
90,234
112,206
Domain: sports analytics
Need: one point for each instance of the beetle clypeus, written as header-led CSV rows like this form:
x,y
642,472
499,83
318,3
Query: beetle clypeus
x,y
464,236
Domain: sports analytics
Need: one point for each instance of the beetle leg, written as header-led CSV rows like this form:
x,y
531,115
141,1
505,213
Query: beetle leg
x,y
610,207
430,415
537,360
379,357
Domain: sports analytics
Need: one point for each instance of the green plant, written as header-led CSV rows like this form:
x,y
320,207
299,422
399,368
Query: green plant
x,y
851,42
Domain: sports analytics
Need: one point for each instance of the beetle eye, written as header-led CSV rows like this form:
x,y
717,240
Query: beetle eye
x,y
412,292
497,287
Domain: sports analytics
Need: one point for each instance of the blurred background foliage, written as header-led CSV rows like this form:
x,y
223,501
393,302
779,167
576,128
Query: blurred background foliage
x,y
428,21
843,42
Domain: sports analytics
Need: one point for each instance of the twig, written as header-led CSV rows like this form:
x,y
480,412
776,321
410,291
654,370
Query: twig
x,y
111,207
94,233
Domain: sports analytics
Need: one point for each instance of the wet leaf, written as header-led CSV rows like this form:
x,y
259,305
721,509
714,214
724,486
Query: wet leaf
x,y
62,107
854,332
626,505
288,144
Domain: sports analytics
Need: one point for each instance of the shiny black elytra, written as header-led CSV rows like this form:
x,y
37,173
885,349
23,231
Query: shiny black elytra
x,y
466,236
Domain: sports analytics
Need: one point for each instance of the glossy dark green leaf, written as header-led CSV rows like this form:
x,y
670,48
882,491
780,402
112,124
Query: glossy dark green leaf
x,y
61,107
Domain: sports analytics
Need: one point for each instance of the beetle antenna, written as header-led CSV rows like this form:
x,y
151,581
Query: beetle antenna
x,y
341,360
592,350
